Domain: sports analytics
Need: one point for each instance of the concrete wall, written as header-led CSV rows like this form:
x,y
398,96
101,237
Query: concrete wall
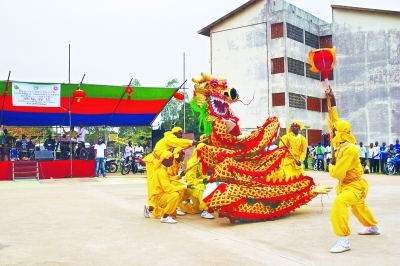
x,y
238,51
367,73
241,50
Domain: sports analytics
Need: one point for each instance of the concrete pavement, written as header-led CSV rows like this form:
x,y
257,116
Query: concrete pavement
x,y
88,221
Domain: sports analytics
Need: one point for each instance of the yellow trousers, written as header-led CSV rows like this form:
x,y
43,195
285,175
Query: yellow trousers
x,y
167,203
340,214
198,204
149,172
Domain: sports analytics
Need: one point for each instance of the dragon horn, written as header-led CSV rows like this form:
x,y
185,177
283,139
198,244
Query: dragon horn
x,y
206,76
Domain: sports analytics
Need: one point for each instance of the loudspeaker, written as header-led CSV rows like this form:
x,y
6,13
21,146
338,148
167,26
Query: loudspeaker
x,y
156,135
44,156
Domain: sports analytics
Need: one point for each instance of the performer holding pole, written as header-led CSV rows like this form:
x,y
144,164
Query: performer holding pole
x,y
352,188
164,193
170,140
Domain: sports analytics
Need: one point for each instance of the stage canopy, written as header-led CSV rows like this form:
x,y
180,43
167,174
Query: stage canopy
x,y
45,104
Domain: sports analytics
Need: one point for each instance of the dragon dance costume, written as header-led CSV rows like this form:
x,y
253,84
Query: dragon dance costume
x,y
247,183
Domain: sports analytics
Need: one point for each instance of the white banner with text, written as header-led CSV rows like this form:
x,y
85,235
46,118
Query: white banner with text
x,y
41,95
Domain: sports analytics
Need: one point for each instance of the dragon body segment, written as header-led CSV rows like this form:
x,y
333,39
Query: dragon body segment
x,y
246,183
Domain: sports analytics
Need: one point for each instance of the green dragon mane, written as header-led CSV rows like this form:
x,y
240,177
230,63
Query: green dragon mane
x,y
204,125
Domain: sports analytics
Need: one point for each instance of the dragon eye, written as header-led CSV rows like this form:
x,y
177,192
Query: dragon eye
x,y
226,85
213,83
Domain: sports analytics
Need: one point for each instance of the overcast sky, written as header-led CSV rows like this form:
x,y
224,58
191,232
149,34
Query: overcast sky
x,y
113,41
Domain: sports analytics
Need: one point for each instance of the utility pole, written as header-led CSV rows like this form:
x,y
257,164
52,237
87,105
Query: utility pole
x,y
184,100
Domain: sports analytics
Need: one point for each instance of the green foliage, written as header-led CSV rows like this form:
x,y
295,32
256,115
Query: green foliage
x,y
178,113
170,113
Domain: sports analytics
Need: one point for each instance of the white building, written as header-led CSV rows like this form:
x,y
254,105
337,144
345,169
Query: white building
x,y
262,48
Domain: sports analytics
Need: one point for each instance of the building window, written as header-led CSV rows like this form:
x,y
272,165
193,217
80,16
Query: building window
x,y
277,30
314,136
294,33
278,99
297,100
312,40
277,65
325,41
324,105
310,74
313,104
295,66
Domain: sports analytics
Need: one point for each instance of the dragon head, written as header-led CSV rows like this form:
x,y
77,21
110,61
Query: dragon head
x,y
216,92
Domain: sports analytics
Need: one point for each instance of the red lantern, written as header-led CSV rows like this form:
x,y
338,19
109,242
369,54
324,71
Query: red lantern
x,y
79,94
179,96
322,60
129,90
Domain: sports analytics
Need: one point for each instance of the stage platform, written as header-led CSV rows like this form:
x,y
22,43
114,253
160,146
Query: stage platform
x,y
54,169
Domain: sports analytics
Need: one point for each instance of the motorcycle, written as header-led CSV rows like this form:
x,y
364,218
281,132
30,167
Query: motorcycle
x,y
391,164
137,165
111,165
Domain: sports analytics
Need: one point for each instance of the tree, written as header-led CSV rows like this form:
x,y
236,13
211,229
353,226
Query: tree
x,y
191,119
170,113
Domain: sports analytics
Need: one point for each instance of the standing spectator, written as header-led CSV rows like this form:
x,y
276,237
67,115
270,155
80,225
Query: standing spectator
x,y
319,156
139,149
363,154
370,158
100,151
383,157
306,159
328,155
81,134
375,155
397,146
147,148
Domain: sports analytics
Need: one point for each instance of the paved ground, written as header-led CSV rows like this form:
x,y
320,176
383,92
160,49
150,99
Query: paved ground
x,y
99,221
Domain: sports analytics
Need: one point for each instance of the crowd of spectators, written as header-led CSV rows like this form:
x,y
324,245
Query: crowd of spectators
x,y
373,158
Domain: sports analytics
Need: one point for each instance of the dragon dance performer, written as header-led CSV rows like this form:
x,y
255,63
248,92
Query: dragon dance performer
x,y
171,139
194,176
164,194
352,188
297,147
173,172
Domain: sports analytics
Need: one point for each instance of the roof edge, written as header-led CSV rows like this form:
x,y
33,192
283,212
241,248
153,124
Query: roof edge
x,y
206,30
365,9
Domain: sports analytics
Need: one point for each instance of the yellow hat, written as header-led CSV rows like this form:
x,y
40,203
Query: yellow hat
x,y
164,155
342,133
296,123
178,151
176,129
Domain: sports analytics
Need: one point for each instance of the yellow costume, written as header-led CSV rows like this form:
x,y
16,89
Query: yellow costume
x,y
167,143
195,176
173,171
164,193
352,188
297,146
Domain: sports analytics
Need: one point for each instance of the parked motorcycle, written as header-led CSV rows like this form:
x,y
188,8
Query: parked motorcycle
x,y
137,165
111,165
